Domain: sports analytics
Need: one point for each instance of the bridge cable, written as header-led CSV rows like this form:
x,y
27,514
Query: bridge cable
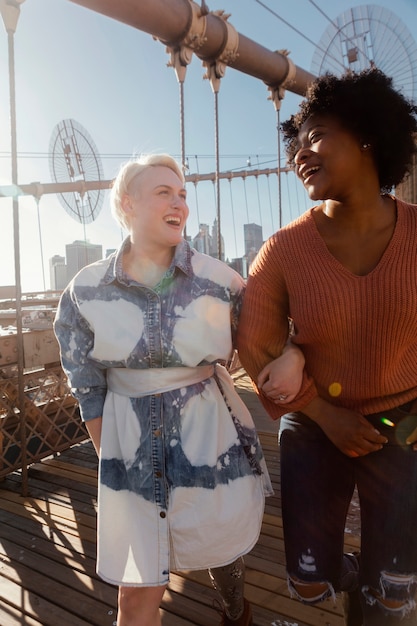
x,y
233,214
270,203
259,198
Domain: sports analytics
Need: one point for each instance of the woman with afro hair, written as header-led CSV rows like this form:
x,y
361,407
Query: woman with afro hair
x,y
344,276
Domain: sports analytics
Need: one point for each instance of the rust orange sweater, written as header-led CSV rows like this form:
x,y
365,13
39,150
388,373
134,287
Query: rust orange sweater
x,y
358,333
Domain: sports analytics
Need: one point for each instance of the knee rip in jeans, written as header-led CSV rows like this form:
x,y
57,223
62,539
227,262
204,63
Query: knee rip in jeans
x,y
395,595
310,592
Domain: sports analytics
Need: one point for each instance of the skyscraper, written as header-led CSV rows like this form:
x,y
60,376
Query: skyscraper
x,y
79,254
57,272
253,238
202,241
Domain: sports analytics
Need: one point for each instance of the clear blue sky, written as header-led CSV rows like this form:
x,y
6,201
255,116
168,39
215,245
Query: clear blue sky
x,y
113,80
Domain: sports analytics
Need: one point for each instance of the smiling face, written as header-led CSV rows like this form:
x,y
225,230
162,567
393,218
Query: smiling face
x,y
155,207
329,160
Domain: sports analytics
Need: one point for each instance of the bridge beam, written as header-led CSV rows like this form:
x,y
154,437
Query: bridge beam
x,y
174,22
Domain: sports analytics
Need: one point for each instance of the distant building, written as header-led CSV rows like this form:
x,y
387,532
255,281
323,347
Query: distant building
x,y
206,243
253,238
240,265
251,256
79,254
58,273
202,241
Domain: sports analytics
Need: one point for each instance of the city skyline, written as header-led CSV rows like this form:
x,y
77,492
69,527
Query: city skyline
x,y
80,253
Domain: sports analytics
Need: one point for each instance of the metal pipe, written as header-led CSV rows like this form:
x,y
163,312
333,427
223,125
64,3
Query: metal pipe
x,y
171,20
37,190
10,13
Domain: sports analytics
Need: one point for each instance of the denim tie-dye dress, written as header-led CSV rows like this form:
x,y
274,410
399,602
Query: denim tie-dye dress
x,y
182,477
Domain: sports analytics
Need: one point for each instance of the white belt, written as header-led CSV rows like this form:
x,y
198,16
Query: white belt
x,y
136,383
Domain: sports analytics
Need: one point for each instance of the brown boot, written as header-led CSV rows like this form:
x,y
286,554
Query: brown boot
x,y
244,620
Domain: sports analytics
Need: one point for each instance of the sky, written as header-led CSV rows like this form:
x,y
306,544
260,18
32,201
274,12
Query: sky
x,y
114,82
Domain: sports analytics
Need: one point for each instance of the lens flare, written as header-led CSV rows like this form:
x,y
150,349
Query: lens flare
x,y
387,422
335,389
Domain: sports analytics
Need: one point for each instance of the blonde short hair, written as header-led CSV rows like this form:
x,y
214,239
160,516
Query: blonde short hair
x,y
129,171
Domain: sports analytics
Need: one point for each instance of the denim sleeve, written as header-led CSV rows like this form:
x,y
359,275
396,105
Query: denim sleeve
x,y
86,377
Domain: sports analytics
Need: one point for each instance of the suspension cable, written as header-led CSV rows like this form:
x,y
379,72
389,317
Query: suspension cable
x,y
246,198
279,170
40,242
270,203
233,214
259,198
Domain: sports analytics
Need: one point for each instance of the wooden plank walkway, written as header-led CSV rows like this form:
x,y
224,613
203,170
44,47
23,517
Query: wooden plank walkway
x,y
47,550
47,556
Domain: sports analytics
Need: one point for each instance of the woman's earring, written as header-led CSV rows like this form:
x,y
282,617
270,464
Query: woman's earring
x,y
365,146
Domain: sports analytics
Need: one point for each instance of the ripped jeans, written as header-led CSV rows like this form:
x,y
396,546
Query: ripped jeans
x,y
317,484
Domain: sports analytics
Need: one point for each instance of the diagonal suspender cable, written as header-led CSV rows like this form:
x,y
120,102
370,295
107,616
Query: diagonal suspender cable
x,y
233,213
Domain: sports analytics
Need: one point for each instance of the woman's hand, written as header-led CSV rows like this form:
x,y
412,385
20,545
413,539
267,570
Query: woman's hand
x,y
94,430
349,431
281,379
353,434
